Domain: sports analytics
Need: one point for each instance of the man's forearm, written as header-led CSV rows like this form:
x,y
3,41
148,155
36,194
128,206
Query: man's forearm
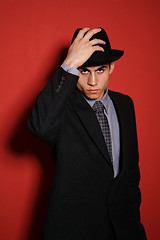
x,y
49,108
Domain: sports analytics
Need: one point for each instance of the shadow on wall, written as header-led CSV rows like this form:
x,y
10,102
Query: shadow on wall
x,y
23,142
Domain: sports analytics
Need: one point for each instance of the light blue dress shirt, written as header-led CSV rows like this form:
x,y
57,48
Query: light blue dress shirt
x,y
111,115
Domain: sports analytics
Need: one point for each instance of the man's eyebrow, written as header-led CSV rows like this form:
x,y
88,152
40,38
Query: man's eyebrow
x,y
82,69
99,68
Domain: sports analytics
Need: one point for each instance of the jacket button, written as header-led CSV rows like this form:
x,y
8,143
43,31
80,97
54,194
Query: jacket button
x,y
63,78
58,89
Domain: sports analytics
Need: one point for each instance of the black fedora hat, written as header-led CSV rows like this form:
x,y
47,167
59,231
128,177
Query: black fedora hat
x,y
98,57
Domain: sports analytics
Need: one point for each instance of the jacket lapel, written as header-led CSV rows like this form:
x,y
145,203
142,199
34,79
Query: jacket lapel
x,y
90,123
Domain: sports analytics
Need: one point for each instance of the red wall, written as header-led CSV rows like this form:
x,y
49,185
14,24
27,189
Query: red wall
x,y
33,34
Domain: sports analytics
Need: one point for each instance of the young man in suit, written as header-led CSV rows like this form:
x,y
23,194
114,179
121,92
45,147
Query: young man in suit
x,y
92,134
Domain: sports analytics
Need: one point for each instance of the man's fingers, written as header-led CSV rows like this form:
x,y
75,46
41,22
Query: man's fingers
x,y
91,33
97,41
98,48
81,33
88,35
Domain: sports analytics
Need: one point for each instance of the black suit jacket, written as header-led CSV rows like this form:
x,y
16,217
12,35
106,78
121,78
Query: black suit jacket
x,y
85,197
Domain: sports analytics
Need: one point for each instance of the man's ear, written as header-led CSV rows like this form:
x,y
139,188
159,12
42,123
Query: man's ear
x,y
111,67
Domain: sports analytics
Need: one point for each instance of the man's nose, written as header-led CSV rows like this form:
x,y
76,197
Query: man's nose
x,y
92,80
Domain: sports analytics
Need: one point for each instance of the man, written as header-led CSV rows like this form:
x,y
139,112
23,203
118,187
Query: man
x,y
92,134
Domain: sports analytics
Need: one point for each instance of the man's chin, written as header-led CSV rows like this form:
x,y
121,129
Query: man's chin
x,y
91,96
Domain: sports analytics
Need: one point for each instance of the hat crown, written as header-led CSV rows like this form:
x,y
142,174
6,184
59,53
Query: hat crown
x,y
100,35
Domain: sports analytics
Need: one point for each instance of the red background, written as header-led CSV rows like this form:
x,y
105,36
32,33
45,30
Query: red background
x,y
33,33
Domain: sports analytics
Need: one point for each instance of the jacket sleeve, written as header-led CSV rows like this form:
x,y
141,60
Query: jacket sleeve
x,y
134,175
49,109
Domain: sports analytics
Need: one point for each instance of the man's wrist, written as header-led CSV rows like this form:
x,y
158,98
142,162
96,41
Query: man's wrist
x,y
71,63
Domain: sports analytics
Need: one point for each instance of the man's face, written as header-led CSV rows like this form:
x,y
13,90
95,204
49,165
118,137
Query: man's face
x,y
94,80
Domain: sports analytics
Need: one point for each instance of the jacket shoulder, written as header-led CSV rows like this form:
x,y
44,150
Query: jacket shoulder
x,y
120,96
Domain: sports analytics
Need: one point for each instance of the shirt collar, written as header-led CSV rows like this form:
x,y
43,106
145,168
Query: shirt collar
x,y
104,100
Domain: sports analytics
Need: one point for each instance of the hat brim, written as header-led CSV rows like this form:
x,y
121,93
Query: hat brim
x,y
99,58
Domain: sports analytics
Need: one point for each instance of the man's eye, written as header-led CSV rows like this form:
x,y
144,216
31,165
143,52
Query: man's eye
x,y
100,70
84,71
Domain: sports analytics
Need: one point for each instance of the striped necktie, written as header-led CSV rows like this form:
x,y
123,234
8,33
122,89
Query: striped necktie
x,y
98,108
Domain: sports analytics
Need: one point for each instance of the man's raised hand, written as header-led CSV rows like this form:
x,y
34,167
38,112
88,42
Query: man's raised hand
x,y
81,49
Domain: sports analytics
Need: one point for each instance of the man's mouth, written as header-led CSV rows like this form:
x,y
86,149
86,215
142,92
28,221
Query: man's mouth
x,y
92,90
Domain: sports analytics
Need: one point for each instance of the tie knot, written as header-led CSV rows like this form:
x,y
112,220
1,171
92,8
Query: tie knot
x,y
98,106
